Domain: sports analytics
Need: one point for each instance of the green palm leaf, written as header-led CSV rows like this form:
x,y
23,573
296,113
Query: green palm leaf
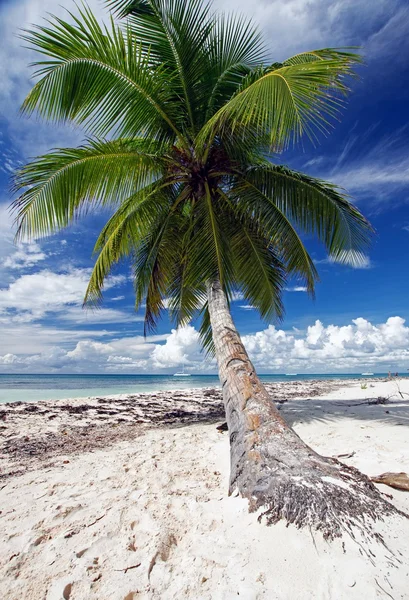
x,y
259,272
70,180
100,78
125,231
182,109
317,207
175,34
274,226
289,100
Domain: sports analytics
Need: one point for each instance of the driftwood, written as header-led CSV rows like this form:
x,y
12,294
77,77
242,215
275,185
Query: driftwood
x,y
399,481
346,455
368,401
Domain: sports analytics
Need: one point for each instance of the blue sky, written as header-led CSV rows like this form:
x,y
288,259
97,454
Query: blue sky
x,y
357,321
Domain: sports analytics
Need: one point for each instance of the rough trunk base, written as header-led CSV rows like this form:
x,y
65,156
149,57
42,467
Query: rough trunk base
x,y
281,476
308,490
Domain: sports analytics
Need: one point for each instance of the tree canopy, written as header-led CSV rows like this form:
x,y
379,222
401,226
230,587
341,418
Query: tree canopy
x,y
183,113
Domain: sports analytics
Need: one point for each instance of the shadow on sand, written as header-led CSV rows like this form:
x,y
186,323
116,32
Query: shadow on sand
x,y
394,412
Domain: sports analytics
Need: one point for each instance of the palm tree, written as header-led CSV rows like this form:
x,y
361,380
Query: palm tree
x,y
183,111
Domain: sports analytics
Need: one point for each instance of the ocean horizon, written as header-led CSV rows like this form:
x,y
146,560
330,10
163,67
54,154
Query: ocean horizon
x,y
35,387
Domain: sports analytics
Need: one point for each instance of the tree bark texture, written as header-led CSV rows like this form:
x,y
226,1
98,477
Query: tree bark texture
x,y
281,476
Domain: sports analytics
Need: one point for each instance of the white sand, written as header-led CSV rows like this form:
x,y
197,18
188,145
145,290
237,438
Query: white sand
x,y
150,518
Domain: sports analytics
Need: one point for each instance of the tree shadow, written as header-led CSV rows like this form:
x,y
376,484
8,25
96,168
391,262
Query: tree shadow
x,y
393,412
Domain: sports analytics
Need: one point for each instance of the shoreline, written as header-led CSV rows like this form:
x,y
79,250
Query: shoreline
x,y
140,510
15,391
32,433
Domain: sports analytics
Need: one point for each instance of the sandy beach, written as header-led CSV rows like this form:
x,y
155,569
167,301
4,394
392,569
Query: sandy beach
x,y
125,497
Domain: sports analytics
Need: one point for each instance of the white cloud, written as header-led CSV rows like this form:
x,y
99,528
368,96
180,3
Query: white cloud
x,y
364,262
26,255
332,348
296,288
87,316
391,40
30,136
9,359
379,172
15,257
181,347
32,296
291,26
27,338
357,346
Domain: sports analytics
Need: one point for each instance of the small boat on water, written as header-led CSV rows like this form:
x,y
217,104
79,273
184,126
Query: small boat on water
x,y
182,373
366,373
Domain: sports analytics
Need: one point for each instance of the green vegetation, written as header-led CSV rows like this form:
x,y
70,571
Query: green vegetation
x,y
184,114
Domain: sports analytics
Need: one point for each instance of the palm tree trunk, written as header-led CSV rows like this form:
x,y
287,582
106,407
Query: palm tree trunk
x,y
270,464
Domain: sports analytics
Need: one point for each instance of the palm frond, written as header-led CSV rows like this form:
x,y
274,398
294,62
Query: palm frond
x,y
254,206
69,181
205,332
125,231
235,49
157,259
289,101
123,8
98,77
258,270
186,298
319,208
175,33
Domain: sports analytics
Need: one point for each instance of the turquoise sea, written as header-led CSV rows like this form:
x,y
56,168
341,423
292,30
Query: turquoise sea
x,y
28,388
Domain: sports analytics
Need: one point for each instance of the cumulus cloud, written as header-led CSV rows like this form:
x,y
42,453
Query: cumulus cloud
x,y
181,347
333,348
26,255
357,346
32,296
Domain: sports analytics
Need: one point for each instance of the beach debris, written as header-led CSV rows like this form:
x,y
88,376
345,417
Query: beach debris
x,y
280,400
222,427
346,455
76,425
211,392
96,520
368,401
399,481
129,568
67,591
383,589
